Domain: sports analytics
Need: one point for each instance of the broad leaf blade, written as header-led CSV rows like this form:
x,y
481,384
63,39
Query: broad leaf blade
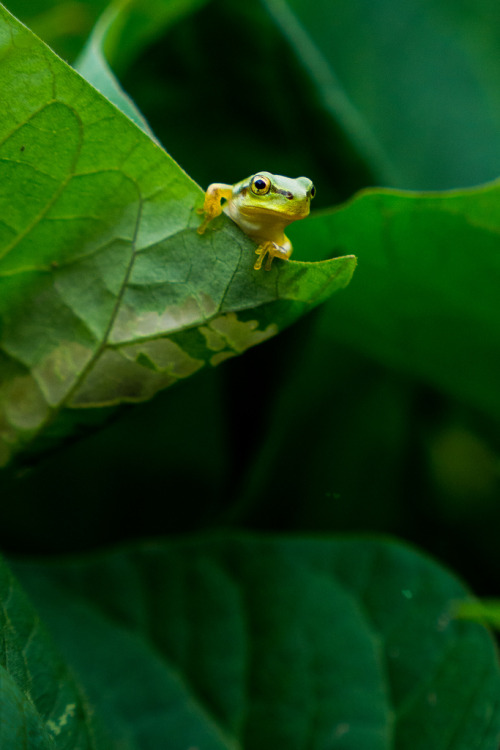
x,y
42,706
426,296
107,294
304,642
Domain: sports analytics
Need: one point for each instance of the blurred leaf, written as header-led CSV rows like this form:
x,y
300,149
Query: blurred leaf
x,y
130,25
123,29
63,24
414,85
93,66
42,706
263,643
351,470
466,471
426,294
107,294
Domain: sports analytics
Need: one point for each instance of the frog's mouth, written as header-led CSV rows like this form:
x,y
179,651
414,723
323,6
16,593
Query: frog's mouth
x,y
297,211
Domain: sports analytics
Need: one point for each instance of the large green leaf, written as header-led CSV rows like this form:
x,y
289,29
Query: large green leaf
x,y
245,642
42,706
414,84
426,298
107,294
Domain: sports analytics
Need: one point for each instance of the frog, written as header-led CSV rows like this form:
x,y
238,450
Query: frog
x,y
262,205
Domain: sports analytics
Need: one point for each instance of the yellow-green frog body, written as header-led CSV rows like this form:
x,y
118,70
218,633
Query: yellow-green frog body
x,y
263,206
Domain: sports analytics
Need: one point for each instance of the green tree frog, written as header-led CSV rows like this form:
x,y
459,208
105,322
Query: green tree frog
x,y
262,205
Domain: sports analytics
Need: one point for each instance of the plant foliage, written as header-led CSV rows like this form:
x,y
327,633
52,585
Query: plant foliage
x,y
226,605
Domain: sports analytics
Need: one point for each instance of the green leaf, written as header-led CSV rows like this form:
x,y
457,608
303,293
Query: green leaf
x,y
63,24
248,642
414,86
93,66
124,28
426,295
42,706
127,26
107,293
353,467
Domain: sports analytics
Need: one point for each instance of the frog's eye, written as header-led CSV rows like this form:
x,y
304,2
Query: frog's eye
x,y
260,185
313,191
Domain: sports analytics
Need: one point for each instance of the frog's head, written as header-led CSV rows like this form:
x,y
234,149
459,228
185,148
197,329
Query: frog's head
x,y
283,197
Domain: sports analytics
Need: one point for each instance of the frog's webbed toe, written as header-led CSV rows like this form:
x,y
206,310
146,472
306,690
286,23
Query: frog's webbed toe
x,y
212,205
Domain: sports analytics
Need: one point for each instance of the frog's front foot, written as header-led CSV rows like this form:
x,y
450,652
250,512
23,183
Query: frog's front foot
x,y
272,250
212,203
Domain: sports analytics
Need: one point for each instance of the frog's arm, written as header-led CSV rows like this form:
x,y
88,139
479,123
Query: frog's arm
x,y
212,206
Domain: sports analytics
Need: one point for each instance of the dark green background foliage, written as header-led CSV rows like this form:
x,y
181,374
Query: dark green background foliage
x,y
208,565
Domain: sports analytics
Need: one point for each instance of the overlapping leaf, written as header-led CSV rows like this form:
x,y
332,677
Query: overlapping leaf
x,y
107,294
244,642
